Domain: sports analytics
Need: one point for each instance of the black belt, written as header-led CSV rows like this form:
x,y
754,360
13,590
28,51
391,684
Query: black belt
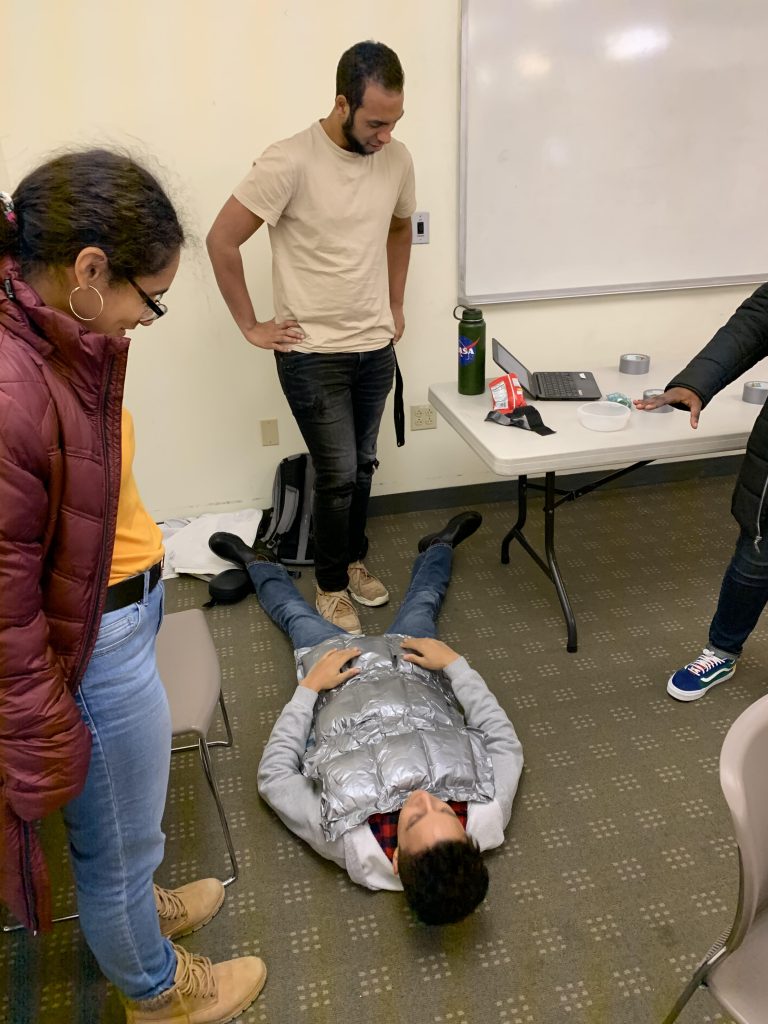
x,y
129,591
399,408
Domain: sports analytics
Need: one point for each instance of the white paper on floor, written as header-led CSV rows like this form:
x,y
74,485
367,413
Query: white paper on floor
x,y
186,541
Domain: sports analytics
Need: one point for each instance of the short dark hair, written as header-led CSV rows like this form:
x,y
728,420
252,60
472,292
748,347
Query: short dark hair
x,y
367,62
444,883
92,197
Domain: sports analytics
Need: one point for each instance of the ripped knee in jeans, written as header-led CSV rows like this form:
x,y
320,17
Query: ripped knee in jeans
x,y
367,469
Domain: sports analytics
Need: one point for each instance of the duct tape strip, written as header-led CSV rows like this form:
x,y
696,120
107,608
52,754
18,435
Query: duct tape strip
x,y
526,418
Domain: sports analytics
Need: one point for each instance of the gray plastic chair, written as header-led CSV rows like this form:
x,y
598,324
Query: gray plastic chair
x,y
189,668
735,970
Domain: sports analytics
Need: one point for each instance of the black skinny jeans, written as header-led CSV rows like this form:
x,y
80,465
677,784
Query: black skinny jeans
x,y
337,400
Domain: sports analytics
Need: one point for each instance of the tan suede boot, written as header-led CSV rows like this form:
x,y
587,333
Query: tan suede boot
x,y
336,607
203,993
366,588
184,910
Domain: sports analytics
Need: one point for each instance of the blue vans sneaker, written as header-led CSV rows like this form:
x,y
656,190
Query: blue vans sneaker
x,y
694,680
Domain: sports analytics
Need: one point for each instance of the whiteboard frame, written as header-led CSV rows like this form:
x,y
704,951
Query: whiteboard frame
x,y
483,299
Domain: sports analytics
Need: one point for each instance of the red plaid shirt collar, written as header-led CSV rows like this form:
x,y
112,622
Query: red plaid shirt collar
x,y
384,826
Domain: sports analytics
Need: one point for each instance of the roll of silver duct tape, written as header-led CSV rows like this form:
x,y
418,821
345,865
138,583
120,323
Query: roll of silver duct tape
x,y
755,392
654,393
634,362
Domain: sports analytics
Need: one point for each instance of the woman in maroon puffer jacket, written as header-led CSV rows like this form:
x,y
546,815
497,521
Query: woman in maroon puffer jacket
x,y
89,244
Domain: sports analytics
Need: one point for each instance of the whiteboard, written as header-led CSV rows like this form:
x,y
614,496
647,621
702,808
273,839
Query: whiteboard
x,y
612,146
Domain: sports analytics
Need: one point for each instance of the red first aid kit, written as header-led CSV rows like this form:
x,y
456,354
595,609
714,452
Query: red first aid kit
x,y
506,393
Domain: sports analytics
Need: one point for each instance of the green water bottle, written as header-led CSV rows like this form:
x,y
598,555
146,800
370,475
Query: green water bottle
x,y
471,350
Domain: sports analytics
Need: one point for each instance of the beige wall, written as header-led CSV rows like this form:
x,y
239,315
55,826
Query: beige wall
x,y
205,87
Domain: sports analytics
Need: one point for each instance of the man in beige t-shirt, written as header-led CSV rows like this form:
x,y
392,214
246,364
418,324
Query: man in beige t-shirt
x,y
337,199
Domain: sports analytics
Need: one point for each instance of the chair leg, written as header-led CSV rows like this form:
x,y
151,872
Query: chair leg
x,y
228,742
56,920
685,995
699,978
225,718
67,917
205,757
202,746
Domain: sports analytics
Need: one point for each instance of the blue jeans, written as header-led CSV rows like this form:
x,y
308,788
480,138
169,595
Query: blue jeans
x,y
743,595
337,401
417,616
114,825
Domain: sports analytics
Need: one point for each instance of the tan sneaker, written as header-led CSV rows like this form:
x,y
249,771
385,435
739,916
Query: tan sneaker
x,y
203,993
184,910
366,588
336,607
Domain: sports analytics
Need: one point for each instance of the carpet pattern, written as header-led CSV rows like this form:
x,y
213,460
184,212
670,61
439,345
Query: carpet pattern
x,y
619,868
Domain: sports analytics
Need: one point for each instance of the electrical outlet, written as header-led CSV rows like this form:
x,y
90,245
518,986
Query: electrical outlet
x,y
269,432
423,417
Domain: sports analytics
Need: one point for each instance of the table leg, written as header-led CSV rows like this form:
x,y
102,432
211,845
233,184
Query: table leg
x,y
522,514
550,567
554,569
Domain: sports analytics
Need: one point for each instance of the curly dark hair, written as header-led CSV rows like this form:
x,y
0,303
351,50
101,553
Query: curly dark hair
x,y
367,62
444,883
92,197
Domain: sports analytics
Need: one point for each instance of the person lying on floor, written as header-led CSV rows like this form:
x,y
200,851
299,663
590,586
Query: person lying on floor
x,y
392,758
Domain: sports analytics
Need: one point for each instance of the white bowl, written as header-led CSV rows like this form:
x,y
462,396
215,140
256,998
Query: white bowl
x,y
603,415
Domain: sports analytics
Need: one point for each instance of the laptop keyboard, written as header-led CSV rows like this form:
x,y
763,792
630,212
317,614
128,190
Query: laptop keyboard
x,y
557,385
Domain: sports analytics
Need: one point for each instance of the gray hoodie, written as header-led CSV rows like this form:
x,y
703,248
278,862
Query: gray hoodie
x,y
296,799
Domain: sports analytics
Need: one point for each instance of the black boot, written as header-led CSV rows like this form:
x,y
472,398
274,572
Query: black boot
x,y
455,530
233,549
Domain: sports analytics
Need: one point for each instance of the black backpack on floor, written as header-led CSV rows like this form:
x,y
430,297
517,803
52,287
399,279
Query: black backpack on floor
x,y
286,528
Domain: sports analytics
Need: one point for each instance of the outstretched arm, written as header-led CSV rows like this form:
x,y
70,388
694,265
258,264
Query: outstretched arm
x,y
291,795
234,225
399,242
294,798
44,742
673,396
735,348
482,711
428,653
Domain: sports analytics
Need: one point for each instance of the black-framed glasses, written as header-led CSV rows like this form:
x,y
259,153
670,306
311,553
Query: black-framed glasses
x,y
157,309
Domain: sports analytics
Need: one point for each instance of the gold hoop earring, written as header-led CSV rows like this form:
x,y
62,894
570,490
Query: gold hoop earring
x,y
86,319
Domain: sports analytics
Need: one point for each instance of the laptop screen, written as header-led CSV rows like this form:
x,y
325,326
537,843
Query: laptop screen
x,y
509,364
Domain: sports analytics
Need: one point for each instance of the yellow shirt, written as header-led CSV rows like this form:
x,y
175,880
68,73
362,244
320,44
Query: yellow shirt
x,y
329,212
138,540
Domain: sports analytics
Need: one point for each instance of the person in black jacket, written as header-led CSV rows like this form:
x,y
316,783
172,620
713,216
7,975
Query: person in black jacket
x,y
736,347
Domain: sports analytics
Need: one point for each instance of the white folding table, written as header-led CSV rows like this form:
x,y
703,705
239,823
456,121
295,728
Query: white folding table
x,y
724,426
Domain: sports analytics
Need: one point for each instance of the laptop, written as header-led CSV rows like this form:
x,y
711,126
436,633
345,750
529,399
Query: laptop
x,y
562,386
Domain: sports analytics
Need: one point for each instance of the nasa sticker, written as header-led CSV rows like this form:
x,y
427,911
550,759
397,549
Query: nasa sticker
x,y
467,351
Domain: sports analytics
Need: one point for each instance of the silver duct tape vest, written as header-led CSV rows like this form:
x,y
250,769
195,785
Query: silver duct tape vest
x,y
394,728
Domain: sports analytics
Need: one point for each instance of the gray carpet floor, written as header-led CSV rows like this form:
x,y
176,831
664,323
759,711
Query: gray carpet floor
x,y
619,868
